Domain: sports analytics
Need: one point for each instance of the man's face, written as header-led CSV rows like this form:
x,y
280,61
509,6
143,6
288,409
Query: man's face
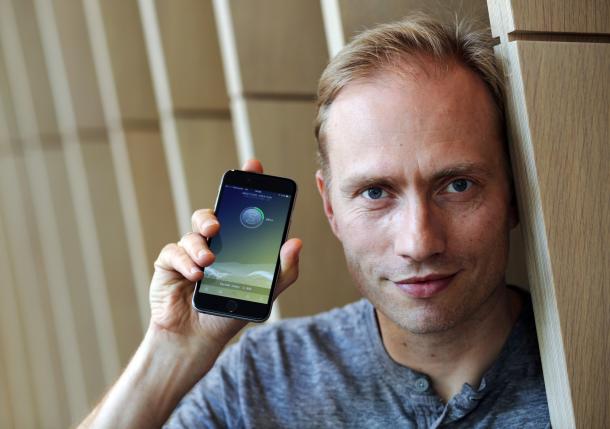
x,y
418,187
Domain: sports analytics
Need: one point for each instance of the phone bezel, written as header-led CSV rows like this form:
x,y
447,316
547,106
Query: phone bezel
x,y
247,310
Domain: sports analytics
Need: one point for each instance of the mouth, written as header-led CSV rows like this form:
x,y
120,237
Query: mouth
x,y
425,287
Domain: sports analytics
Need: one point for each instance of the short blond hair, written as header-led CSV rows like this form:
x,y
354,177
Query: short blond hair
x,y
408,41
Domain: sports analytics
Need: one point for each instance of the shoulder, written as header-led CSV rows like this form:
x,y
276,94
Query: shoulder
x,y
334,328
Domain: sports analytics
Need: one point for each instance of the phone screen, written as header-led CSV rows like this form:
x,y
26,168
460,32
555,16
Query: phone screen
x,y
252,223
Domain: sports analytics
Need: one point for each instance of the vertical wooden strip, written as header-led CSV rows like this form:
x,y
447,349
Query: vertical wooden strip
x,y
45,215
78,181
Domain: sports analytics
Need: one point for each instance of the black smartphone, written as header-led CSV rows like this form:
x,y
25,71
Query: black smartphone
x,y
254,214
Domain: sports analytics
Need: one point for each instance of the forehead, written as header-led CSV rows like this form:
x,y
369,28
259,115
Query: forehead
x,y
420,121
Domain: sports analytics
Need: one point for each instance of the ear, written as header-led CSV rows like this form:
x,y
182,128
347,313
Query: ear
x,y
327,204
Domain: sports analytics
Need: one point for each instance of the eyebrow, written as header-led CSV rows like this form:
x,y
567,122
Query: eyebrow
x,y
360,181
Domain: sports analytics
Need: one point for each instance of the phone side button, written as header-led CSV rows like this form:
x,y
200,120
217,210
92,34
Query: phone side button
x,y
231,306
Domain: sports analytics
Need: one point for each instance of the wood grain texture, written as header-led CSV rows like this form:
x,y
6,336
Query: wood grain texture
x,y
129,63
192,54
283,141
153,193
208,150
560,126
78,62
35,67
116,263
17,382
280,45
565,16
358,15
80,297
32,293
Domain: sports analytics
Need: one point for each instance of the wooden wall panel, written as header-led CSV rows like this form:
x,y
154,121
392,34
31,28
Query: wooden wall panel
x,y
35,67
357,15
111,238
78,64
42,354
561,118
565,16
17,381
283,131
211,151
190,46
82,302
280,45
153,193
128,62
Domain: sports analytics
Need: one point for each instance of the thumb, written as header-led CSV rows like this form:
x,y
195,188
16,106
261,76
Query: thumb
x,y
289,264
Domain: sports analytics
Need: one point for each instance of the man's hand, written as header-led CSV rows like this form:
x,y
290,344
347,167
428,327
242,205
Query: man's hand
x,y
181,344
179,267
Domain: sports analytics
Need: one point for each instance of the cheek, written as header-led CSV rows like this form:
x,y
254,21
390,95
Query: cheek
x,y
480,235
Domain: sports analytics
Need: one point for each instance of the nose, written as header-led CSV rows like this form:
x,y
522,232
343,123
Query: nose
x,y
419,233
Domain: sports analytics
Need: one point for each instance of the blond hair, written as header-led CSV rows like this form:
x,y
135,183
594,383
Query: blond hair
x,y
408,41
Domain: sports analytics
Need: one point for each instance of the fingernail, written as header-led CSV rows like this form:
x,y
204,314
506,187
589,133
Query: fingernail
x,y
195,270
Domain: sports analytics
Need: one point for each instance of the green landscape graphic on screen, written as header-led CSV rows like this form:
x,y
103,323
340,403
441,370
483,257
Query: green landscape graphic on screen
x,y
251,227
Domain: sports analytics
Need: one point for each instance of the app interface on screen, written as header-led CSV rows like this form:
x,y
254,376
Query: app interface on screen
x,y
246,248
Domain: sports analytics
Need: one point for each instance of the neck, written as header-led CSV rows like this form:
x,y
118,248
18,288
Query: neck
x,y
459,355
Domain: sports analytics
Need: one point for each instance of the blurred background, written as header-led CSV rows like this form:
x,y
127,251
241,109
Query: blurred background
x,y
117,120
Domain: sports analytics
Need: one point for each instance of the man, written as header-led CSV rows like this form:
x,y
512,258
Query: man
x,y
416,185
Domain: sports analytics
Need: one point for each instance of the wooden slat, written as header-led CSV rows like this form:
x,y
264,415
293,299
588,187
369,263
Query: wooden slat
x,y
283,132
280,45
565,16
128,60
36,68
560,124
116,264
357,15
45,213
88,222
49,401
210,149
190,45
17,381
153,191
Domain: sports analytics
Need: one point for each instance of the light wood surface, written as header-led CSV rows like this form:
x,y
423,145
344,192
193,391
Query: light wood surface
x,y
17,381
560,124
357,15
40,339
287,147
88,341
35,67
209,150
111,236
565,16
128,60
280,45
153,192
190,45
78,63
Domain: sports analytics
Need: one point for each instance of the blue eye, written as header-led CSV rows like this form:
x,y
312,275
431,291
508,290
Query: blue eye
x,y
374,193
460,185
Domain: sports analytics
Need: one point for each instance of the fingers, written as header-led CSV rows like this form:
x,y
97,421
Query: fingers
x,y
204,222
289,264
253,165
176,258
197,249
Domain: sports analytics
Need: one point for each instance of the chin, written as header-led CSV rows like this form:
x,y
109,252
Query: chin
x,y
421,321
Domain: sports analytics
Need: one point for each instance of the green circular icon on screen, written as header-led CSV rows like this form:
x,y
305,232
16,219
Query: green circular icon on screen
x,y
252,217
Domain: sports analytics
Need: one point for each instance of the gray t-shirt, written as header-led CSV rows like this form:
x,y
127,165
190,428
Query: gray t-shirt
x,y
332,370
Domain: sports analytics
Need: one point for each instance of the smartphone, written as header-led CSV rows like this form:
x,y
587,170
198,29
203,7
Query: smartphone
x,y
254,214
